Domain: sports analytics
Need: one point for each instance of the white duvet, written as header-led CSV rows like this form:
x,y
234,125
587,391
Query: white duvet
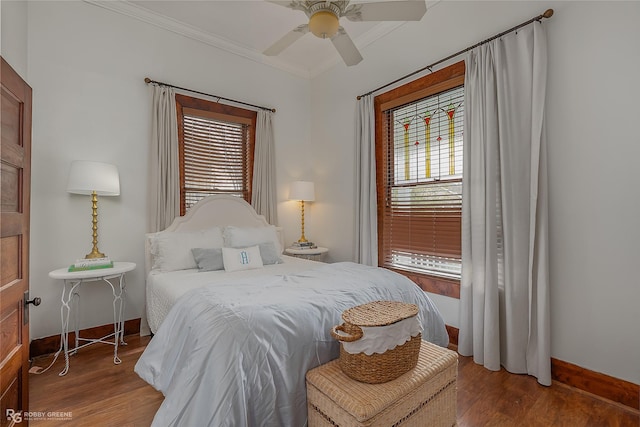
x,y
165,288
236,354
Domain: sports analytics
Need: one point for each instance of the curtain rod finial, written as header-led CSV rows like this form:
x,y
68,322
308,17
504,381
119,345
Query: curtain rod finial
x,y
547,13
147,80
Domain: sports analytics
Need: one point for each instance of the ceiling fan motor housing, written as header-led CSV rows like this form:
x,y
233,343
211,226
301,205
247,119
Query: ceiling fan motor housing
x,y
324,19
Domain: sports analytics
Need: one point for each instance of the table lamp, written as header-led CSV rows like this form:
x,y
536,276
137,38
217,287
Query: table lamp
x,y
302,191
93,178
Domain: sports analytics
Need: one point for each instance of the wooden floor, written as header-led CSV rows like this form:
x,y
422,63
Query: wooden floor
x,y
98,393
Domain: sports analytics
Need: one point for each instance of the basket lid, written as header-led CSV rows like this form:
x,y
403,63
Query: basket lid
x,y
379,313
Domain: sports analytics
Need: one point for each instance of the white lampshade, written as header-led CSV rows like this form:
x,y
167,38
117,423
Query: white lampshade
x,y
302,190
86,177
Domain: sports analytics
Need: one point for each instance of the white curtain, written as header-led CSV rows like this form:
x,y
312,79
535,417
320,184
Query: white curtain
x,y
504,296
164,170
263,191
366,215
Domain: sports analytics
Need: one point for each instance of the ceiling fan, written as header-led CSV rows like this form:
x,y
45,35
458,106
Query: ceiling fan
x,y
324,21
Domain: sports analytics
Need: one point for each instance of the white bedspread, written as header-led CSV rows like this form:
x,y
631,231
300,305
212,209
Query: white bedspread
x,y
164,289
236,355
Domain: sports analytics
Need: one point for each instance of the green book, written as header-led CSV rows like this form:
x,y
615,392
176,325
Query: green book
x,y
91,267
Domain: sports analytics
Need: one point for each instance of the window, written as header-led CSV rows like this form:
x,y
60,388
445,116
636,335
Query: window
x,y
419,139
216,143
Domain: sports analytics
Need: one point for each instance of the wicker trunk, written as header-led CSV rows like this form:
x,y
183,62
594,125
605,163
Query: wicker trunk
x,y
424,396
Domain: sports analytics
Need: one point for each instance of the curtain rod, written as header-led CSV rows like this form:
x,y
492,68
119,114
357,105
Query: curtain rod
x,y
147,80
547,14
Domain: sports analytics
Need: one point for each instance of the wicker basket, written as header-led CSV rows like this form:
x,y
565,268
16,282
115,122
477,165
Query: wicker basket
x,y
377,367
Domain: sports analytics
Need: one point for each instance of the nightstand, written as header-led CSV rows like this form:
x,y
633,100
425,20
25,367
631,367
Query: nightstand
x,y
114,277
315,254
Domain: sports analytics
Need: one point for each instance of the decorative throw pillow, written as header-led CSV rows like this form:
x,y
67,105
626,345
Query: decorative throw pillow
x,y
208,259
269,253
238,237
236,259
172,250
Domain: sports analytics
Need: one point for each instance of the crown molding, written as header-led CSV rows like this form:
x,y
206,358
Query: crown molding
x,y
128,9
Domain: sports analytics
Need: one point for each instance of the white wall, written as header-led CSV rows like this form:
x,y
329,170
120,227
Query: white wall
x,y
86,68
13,35
592,113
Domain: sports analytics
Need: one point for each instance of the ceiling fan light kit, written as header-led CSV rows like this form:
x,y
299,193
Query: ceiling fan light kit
x,y
324,21
324,24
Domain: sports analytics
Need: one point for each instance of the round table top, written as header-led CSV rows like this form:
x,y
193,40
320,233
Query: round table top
x,y
315,251
117,269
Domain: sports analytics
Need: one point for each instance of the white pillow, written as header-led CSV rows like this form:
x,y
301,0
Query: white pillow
x,y
238,237
242,258
172,250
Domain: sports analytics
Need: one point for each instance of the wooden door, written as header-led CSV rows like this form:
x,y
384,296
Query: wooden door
x,y
15,172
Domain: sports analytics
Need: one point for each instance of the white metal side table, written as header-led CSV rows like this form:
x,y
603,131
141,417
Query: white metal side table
x,y
70,293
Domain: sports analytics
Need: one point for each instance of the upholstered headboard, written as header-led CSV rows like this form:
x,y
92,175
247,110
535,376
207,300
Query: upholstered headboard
x,y
214,211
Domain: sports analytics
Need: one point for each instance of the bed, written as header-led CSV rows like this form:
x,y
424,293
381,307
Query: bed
x,y
231,346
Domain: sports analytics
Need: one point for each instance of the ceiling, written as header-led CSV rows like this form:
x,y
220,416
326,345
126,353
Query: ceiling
x,y
248,27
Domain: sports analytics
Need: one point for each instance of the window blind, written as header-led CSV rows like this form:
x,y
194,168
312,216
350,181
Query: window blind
x,y
422,174
216,157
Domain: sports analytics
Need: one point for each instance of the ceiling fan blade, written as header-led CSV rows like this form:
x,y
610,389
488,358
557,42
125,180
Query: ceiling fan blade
x,y
411,10
287,40
345,47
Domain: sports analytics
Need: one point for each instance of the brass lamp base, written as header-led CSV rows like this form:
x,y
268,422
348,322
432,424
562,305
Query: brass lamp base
x,y
302,239
95,253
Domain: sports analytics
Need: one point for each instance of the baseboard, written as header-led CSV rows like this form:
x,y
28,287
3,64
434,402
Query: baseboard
x,y
48,345
453,337
602,385
615,389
